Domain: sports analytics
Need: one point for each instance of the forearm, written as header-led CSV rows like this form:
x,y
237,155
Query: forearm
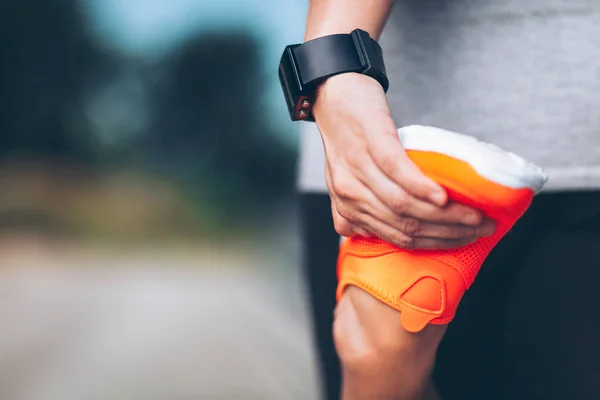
x,y
326,17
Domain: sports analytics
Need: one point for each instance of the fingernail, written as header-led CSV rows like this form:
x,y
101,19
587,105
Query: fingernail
x,y
438,198
471,219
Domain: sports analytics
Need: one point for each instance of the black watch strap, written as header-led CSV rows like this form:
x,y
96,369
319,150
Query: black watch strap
x,y
326,56
304,66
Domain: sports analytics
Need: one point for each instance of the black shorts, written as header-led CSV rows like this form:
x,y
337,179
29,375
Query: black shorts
x,y
529,327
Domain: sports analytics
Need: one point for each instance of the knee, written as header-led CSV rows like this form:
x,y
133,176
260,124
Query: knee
x,y
369,337
359,344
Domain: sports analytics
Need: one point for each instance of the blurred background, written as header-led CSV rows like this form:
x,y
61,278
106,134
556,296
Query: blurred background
x,y
148,235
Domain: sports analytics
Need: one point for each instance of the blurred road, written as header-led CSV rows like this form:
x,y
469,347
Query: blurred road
x,y
152,323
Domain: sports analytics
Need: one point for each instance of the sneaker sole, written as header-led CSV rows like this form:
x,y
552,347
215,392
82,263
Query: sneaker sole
x,y
488,160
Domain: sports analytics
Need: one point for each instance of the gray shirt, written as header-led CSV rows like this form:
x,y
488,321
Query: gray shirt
x,y
522,74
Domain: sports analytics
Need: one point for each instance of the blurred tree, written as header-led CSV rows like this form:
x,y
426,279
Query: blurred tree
x,y
209,121
49,62
63,95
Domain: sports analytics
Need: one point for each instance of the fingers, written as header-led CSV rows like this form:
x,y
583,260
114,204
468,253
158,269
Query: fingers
x,y
452,232
407,241
367,202
357,211
421,228
343,227
375,187
400,203
452,213
435,244
409,233
392,160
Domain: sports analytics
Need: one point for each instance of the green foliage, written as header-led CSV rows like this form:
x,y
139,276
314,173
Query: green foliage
x,y
209,122
49,62
203,127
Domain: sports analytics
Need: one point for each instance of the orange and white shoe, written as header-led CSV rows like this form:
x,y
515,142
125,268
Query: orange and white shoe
x,y
426,286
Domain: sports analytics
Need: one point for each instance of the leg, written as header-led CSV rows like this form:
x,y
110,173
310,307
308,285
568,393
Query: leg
x,y
320,242
553,319
381,360
358,309
470,360
469,363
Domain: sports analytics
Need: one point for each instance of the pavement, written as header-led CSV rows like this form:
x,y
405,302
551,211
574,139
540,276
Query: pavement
x,y
91,322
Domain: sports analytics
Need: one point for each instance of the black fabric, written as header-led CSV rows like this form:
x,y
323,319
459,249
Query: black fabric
x,y
528,327
320,256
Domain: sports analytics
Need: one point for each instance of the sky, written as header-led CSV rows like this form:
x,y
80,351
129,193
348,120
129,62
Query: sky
x,y
144,25
147,28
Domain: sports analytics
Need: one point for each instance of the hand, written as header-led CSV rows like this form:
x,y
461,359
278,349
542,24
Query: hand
x,y
375,188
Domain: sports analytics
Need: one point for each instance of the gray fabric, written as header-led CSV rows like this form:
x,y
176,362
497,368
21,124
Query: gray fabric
x,y
522,74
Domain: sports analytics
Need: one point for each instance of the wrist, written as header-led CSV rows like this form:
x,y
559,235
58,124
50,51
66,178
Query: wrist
x,y
304,67
334,86
334,91
351,97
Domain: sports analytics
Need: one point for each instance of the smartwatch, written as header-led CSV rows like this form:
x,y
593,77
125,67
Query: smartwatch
x,y
304,66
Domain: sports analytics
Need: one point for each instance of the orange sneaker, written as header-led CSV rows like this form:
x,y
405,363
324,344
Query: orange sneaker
x,y
427,285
